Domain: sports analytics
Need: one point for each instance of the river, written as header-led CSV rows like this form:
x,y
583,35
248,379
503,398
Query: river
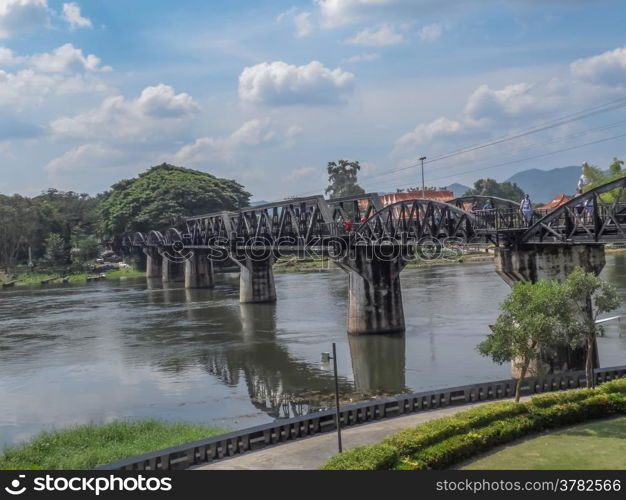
x,y
131,349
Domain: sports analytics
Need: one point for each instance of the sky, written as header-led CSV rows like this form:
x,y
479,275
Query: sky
x,y
268,92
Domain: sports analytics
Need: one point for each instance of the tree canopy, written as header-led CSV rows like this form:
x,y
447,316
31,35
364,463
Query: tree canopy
x,y
490,187
342,179
159,197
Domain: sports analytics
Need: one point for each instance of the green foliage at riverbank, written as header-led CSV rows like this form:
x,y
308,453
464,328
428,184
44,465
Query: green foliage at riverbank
x,y
86,446
35,279
442,443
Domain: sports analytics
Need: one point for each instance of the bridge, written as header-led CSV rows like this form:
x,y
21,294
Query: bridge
x,y
373,244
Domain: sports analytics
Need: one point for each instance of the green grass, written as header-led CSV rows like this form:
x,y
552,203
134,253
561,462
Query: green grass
x,y
86,446
597,445
32,279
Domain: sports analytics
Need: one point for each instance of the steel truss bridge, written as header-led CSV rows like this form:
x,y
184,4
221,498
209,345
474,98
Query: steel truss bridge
x,y
596,216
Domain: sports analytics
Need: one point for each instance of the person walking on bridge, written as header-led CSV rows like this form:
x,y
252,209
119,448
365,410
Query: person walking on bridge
x,y
526,208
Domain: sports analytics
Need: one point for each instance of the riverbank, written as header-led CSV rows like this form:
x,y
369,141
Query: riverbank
x,y
86,446
36,279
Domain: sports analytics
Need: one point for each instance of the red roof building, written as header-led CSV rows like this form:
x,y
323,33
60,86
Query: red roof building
x,y
557,202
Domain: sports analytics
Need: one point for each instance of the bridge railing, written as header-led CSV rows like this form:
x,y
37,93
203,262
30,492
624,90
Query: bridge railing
x,y
286,430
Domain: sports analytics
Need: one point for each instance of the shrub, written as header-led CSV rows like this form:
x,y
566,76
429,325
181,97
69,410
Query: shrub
x,y
618,385
443,442
374,457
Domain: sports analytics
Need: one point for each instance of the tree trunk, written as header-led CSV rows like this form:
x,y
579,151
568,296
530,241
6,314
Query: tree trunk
x,y
589,362
520,380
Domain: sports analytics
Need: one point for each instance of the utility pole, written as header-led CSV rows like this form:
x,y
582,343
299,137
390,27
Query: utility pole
x,y
423,188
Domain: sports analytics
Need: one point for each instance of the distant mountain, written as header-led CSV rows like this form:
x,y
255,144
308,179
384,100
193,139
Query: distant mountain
x,y
257,203
458,189
544,185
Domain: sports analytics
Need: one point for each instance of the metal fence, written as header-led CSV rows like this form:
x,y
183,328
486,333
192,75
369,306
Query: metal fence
x,y
282,431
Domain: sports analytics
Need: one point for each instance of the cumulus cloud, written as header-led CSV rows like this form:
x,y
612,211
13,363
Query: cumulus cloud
x,y
608,68
252,133
278,83
425,132
66,59
153,113
19,16
84,157
71,12
431,32
299,174
514,99
377,37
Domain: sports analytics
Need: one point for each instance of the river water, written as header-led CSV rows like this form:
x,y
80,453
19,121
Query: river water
x,y
131,349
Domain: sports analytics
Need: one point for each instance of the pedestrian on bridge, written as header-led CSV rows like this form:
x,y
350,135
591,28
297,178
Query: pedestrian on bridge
x,y
526,207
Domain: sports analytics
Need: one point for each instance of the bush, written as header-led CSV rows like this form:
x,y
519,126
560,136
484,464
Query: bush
x,y
374,457
444,442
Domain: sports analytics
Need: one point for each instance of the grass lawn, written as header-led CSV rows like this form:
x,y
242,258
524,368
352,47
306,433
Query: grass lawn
x,y
596,445
85,446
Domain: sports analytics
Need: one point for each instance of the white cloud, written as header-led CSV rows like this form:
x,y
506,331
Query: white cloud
x,y
366,57
66,59
299,174
278,83
304,25
608,68
426,132
431,32
513,99
85,157
155,112
224,149
377,37
340,12
19,16
72,14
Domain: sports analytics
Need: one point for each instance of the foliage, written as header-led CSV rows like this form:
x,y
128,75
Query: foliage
x,y
342,179
597,177
86,446
20,219
85,248
442,443
490,187
163,195
55,253
530,325
589,297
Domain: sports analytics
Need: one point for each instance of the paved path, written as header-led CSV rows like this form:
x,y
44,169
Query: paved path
x,y
312,452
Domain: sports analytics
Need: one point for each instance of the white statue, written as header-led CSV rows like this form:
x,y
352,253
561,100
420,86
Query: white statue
x,y
583,180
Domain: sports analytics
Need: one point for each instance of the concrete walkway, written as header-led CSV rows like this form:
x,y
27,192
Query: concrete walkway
x,y
311,453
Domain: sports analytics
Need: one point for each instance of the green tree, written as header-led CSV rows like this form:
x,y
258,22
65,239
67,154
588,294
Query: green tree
x,y
163,195
529,327
85,248
342,179
56,253
490,187
597,177
589,296
20,222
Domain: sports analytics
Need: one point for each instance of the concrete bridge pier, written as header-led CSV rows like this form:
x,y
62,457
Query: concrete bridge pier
x,y
375,296
551,262
153,263
172,272
199,271
256,277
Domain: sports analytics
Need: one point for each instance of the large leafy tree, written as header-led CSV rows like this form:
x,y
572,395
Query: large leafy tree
x,y
597,177
588,296
20,223
490,187
342,179
162,195
531,325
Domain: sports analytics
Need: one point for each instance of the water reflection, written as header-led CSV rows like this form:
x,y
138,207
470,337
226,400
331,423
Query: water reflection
x,y
74,354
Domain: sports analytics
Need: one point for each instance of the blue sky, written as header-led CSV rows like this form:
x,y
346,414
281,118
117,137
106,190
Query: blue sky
x,y
268,92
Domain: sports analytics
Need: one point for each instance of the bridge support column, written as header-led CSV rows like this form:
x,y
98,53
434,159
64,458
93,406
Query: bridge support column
x,y
199,271
256,278
375,296
551,262
172,272
153,263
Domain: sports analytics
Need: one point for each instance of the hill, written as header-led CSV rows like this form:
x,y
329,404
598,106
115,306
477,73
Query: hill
x,y
458,189
544,185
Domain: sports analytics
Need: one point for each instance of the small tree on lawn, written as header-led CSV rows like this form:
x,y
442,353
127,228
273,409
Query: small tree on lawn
x,y
55,249
530,324
589,296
